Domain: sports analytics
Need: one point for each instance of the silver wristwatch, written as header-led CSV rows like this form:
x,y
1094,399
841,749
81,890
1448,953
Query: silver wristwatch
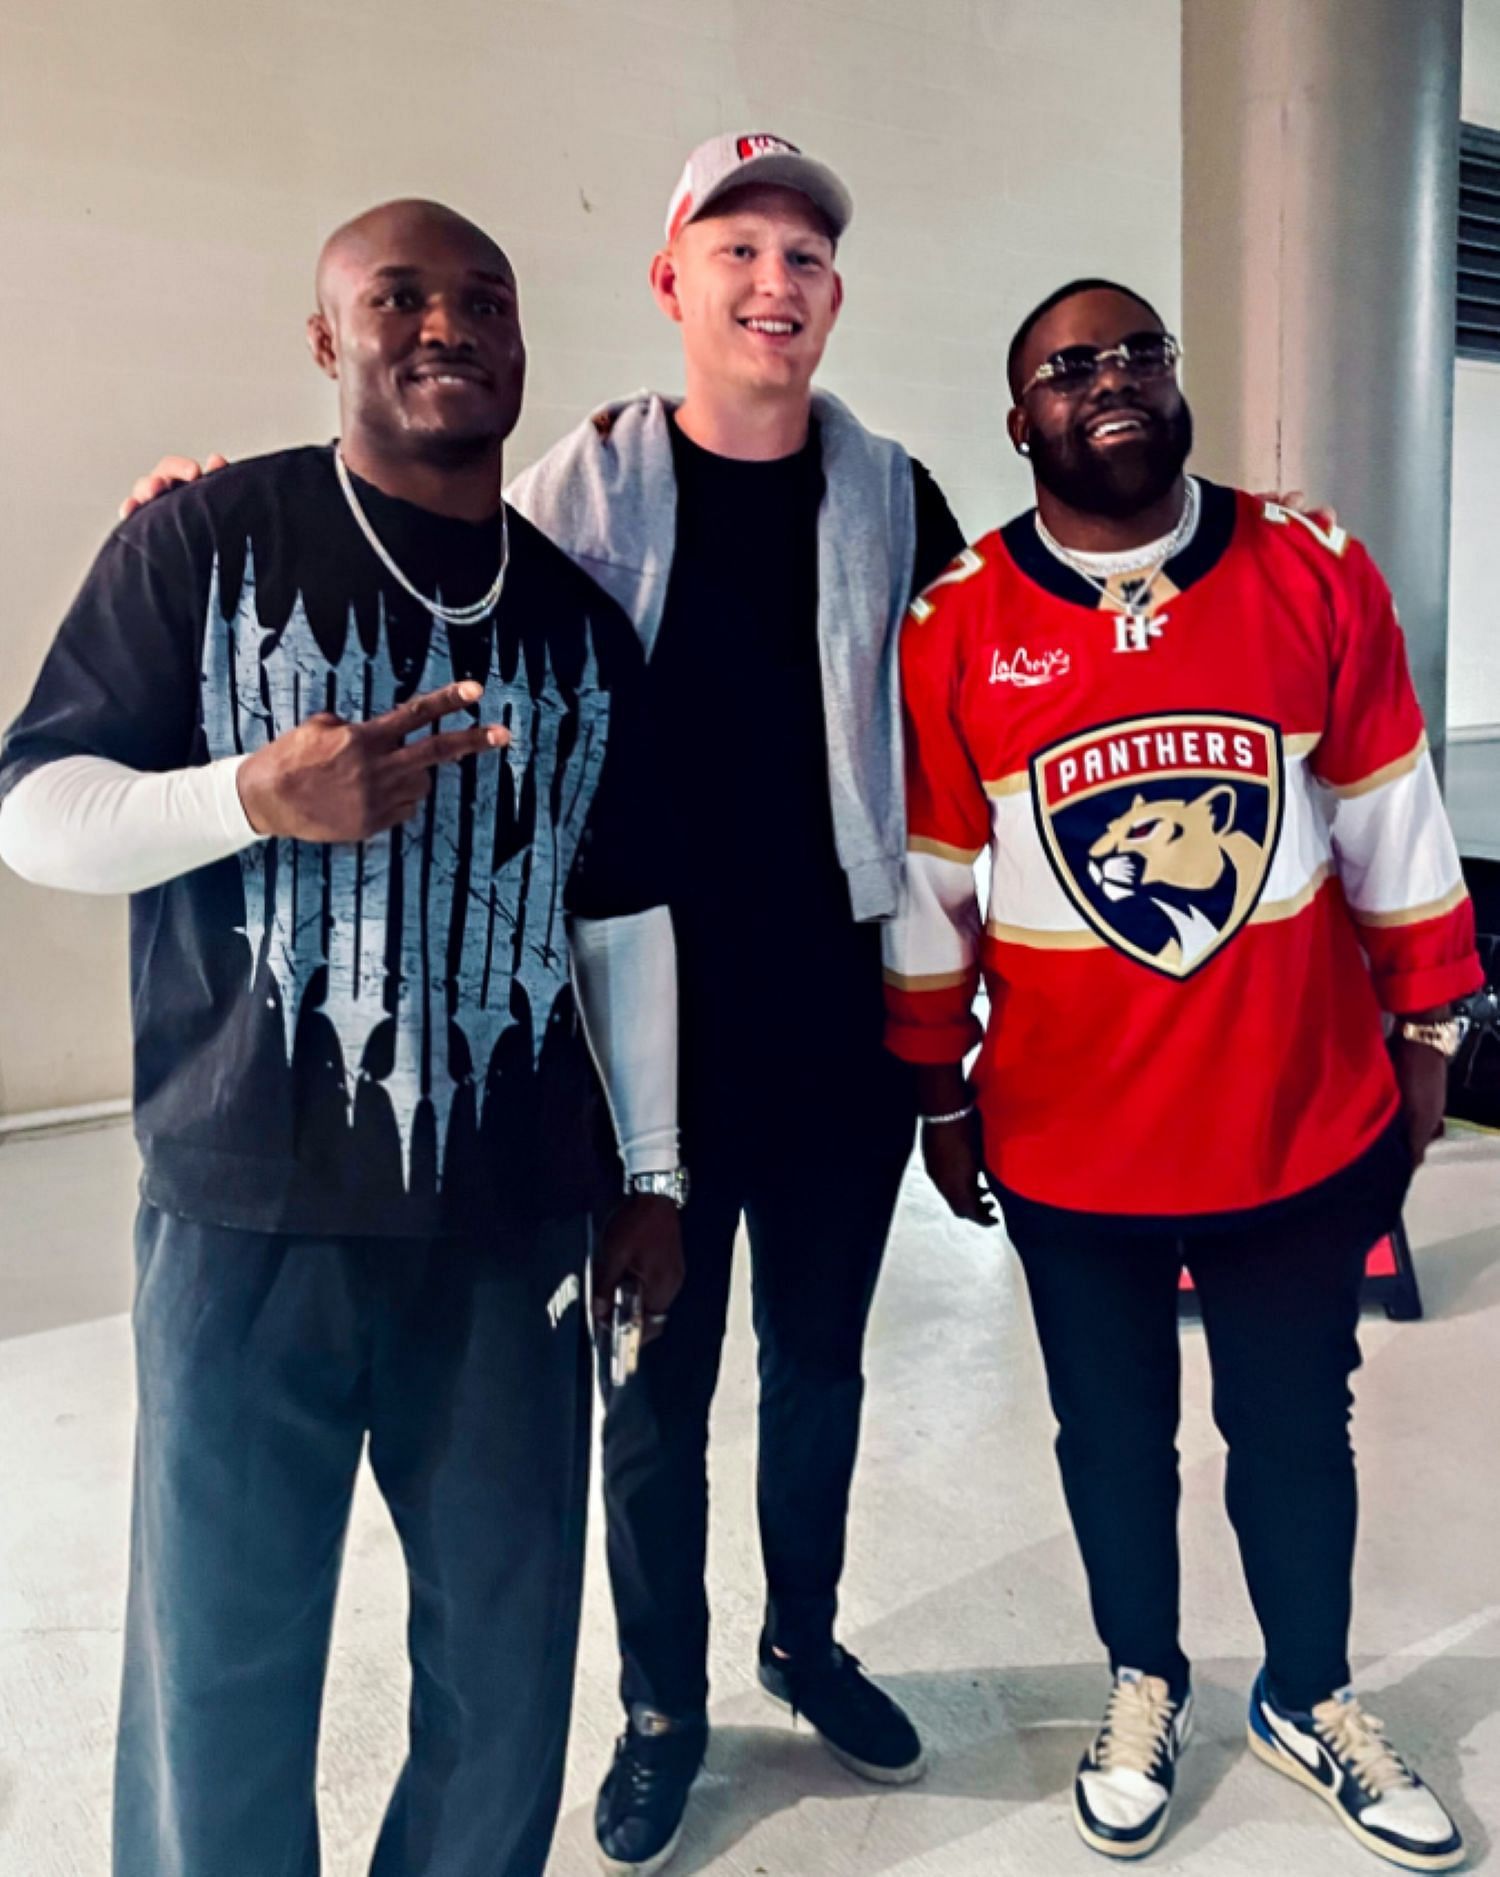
x,y
1444,1036
673,1185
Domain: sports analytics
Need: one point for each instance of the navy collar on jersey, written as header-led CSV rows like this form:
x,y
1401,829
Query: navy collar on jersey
x,y
1201,555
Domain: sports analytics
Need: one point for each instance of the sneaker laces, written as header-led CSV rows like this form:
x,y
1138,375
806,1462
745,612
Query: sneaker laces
x,y
645,1760
1359,1741
1135,1726
640,1774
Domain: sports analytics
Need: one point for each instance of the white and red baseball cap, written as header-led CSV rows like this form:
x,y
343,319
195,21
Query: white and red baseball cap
x,y
740,158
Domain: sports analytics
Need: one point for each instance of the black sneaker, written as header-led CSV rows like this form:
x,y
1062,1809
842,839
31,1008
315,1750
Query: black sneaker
x,y
858,1723
638,1819
1341,1753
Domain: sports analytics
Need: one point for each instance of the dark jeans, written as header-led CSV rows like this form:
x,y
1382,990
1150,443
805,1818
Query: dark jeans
x,y
263,1366
818,1207
1280,1313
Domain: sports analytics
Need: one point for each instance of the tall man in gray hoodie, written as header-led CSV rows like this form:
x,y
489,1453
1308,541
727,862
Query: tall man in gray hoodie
x,y
766,546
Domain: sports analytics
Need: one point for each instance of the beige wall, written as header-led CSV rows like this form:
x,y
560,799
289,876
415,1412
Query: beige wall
x,y
167,172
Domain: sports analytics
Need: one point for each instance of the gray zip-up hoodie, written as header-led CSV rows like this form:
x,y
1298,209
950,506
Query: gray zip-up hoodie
x,y
607,495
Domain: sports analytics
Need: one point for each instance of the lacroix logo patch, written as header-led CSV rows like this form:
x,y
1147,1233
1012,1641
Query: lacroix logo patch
x,y
762,145
1161,829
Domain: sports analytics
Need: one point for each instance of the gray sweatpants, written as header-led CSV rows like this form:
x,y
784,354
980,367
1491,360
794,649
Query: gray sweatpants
x,y
264,1364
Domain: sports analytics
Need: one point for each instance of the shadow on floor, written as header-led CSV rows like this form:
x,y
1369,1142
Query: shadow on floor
x,y
1006,1739
998,1738
1453,1275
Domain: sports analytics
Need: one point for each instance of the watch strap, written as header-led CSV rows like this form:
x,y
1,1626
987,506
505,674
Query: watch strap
x,y
671,1185
1444,1036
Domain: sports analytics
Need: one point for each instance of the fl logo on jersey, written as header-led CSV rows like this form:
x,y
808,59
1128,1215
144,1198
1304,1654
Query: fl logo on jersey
x,y
1161,829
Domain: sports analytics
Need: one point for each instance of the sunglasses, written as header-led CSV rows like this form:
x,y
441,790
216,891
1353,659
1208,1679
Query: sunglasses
x,y
1075,367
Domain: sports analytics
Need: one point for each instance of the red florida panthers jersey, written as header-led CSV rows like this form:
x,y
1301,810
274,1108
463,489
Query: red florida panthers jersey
x,y
1217,850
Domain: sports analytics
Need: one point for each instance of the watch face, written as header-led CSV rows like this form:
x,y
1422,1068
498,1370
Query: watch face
x,y
673,1186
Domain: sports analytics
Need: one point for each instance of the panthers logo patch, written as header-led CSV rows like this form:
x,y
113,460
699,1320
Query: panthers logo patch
x,y
1161,830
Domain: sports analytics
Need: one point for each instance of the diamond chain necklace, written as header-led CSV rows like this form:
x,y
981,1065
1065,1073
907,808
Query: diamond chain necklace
x,y
1136,626
450,615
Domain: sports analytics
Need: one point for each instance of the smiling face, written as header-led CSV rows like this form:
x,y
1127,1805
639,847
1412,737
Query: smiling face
x,y
753,286
420,324
1118,445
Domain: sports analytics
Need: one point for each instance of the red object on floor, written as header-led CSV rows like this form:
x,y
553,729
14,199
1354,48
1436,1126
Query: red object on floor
x,y
1382,1259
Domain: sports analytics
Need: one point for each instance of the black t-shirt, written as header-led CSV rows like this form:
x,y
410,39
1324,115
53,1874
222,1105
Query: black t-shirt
x,y
373,1038
781,990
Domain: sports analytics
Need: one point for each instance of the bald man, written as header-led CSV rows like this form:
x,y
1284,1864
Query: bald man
x,y
363,746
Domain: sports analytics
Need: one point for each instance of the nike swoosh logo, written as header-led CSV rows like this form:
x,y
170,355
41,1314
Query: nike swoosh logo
x,y
1312,1753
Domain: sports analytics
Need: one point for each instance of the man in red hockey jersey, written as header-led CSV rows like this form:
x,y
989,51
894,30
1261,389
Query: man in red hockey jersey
x,y
1179,718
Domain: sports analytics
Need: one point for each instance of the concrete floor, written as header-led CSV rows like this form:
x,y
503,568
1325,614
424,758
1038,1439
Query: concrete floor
x,y
963,1590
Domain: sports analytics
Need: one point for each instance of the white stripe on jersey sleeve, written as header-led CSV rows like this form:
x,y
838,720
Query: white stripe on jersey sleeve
x,y
1393,847
934,941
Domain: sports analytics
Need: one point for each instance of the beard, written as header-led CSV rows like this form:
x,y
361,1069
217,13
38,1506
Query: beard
x,y
1121,481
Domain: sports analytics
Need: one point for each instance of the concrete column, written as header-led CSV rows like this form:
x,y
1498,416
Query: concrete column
x,y
1320,183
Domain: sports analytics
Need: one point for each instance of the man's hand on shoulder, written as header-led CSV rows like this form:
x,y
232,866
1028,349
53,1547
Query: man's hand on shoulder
x,y
331,780
1325,514
643,1242
168,473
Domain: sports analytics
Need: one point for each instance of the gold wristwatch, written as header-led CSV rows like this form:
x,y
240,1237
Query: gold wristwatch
x,y
1443,1036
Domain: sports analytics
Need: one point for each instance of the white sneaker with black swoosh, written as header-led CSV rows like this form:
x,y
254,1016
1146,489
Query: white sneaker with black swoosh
x,y
1122,1791
1341,1752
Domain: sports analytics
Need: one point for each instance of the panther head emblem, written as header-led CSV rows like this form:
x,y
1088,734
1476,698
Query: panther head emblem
x,y
1185,856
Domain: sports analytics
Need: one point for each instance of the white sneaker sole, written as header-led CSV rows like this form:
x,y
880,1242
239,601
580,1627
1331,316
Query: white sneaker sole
x,y
1393,1854
613,1867
1112,1847
877,1775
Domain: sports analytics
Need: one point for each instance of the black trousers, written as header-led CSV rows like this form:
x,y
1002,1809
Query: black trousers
x,y
818,1205
1280,1313
264,1366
